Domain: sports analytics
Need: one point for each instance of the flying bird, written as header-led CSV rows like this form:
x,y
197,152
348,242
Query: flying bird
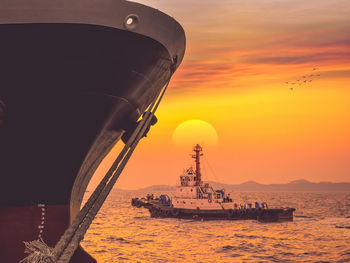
x,y
291,89
303,79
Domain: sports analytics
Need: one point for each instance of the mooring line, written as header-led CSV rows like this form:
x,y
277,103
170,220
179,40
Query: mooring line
x,y
69,241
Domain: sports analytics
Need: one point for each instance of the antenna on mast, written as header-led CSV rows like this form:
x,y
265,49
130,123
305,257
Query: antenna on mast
x,y
198,150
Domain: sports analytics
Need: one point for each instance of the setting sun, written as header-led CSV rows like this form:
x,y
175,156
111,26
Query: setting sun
x,y
191,132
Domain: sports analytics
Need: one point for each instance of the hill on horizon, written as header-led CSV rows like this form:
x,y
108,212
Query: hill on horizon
x,y
296,185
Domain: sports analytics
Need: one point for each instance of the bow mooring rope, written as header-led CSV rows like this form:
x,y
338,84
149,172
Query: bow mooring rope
x,y
39,252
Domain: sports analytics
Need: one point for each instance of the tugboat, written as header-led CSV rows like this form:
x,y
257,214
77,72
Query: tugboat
x,y
195,199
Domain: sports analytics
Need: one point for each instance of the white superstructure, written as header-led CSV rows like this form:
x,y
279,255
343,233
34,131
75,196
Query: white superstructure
x,y
192,193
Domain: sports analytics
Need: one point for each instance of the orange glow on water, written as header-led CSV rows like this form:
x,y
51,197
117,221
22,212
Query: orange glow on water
x,y
122,233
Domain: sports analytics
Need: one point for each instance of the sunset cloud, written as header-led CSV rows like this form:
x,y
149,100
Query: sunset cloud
x,y
310,58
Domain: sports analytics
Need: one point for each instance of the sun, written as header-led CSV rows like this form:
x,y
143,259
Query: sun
x,y
191,132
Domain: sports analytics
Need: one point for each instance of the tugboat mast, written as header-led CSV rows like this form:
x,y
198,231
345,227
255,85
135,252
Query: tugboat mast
x,y
198,150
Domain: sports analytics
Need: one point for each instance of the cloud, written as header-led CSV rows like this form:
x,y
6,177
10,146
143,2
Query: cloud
x,y
335,74
302,59
234,43
208,72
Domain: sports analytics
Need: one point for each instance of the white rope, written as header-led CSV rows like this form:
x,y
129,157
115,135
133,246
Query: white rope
x,y
38,252
69,241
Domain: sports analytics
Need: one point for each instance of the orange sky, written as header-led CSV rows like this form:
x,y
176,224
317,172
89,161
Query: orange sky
x,y
239,56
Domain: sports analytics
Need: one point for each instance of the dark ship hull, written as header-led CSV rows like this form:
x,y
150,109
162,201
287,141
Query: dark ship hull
x,y
68,91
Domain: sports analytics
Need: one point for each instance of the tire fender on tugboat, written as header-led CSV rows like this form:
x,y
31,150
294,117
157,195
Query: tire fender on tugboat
x,y
166,213
175,212
231,212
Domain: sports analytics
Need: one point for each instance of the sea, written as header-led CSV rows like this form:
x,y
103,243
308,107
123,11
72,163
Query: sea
x,y
320,232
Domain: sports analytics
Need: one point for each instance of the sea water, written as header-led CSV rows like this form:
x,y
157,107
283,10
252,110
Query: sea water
x,y
320,232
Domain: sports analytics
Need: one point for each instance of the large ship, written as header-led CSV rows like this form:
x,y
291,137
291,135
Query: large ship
x,y
196,199
75,75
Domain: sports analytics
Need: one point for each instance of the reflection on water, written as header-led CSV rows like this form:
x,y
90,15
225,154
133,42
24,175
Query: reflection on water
x,y
320,232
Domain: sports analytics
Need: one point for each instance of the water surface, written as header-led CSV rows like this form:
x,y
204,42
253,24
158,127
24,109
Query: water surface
x,y
319,233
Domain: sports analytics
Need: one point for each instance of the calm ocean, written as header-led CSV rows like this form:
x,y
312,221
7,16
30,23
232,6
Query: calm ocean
x,y
320,232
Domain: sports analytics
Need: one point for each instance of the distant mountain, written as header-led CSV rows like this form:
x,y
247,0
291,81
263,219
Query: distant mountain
x,y
157,188
300,181
297,185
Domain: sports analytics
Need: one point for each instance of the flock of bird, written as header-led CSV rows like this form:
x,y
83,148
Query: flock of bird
x,y
303,80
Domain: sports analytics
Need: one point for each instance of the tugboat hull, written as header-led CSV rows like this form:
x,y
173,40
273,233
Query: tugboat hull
x,y
263,215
